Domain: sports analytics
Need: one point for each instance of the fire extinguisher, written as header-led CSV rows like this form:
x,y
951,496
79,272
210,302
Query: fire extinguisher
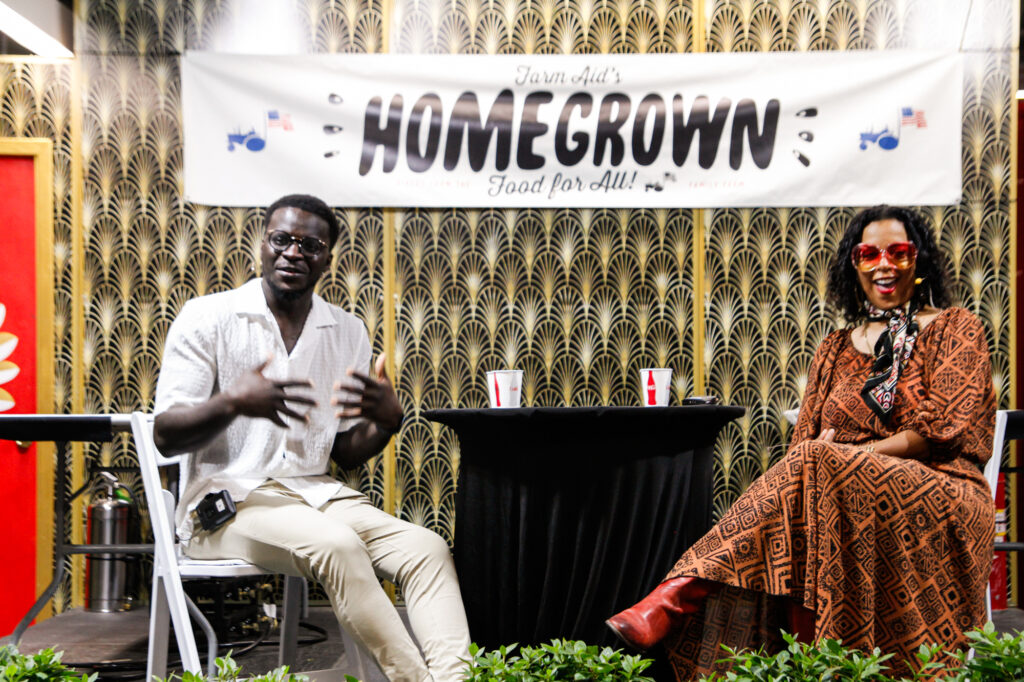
x,y
111,520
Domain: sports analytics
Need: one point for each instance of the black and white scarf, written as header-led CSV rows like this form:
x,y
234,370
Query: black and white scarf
x,y
892,352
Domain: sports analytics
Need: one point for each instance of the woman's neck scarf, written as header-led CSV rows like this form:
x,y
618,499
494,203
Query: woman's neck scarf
x,y
892,352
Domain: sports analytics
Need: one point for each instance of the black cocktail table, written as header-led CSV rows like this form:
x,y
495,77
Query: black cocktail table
x,y
566,515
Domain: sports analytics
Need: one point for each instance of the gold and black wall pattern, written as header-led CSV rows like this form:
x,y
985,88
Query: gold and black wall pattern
x,y
577,298
766,315
35,101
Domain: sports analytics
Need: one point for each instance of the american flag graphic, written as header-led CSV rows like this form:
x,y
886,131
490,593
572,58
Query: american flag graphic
x,y
276,119
913,117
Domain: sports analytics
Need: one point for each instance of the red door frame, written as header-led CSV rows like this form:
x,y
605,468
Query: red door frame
x,y
37,539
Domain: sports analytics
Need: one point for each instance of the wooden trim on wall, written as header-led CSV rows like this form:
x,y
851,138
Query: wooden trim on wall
x,y
700,231
389,459
1016,512
77,568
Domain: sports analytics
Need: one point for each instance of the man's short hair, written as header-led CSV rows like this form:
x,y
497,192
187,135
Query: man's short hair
x,y
309,204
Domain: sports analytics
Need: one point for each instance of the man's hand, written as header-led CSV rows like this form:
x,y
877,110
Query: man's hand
x,y
254,395
372,397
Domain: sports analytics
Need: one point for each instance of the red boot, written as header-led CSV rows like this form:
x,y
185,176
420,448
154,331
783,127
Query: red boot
x,y
656,615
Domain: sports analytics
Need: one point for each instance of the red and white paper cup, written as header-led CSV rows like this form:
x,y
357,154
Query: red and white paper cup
x,y
504,387
655,386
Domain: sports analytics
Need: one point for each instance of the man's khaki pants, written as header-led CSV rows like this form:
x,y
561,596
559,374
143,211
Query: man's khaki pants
x,y
346,545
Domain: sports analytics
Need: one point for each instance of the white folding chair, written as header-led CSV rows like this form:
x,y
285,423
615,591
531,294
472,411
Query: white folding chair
x,y
1009,426
170,566
992,476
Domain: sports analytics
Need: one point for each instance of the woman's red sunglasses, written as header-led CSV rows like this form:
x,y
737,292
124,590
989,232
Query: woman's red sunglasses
x,y
867,257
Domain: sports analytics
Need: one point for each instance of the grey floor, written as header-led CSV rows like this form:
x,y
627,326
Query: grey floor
x,y
1008,620
120,639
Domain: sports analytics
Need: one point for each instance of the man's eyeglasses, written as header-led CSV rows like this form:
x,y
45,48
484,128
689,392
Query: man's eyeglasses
x,y
867,257
308,246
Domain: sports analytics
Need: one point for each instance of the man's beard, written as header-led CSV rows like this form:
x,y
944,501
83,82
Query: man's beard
x,y
287,295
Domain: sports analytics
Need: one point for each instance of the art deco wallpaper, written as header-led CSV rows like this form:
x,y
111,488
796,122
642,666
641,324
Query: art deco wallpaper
x,y
732,300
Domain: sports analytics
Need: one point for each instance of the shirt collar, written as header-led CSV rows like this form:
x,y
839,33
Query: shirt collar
x,y
252,301
320,315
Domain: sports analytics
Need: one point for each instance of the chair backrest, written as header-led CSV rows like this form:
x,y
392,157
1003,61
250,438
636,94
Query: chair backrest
x,y
1014,428
161,514
992,465
166,576
158,458
1009,426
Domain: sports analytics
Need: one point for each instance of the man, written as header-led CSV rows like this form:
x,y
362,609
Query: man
x,y
246,389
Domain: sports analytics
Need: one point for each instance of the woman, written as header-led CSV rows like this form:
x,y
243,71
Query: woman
x,y
876,528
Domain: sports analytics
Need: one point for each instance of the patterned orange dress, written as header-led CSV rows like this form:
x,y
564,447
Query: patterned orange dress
x,y
887,552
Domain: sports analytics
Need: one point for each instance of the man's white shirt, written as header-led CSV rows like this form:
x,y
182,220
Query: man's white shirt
x,y
216,339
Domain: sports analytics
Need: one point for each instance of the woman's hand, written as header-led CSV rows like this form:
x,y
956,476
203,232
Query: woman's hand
x,y
906,444
827,435
927,410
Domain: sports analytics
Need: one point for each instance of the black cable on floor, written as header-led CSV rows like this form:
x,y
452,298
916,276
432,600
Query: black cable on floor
x,y
247,646
135,668
321,636
125,671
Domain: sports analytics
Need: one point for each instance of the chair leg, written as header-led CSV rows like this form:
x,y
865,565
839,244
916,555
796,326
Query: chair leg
x,y
159,631
175,594
293,588
988,602
211,636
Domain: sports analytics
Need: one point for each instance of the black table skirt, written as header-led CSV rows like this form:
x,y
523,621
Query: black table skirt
x,y
566,515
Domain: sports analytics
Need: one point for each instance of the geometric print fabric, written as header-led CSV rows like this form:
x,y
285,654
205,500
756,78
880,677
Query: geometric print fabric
x,y
888,552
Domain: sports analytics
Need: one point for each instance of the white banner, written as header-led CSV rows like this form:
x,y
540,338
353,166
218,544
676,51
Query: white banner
x,y
690,130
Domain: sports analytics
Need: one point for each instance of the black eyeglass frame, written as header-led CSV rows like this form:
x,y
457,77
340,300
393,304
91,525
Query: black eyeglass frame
x,y
304,244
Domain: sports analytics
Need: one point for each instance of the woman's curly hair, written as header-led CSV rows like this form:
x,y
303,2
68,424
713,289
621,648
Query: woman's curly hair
x,y
844,290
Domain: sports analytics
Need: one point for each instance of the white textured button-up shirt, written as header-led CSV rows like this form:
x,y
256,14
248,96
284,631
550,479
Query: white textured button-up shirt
x,y
217,338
